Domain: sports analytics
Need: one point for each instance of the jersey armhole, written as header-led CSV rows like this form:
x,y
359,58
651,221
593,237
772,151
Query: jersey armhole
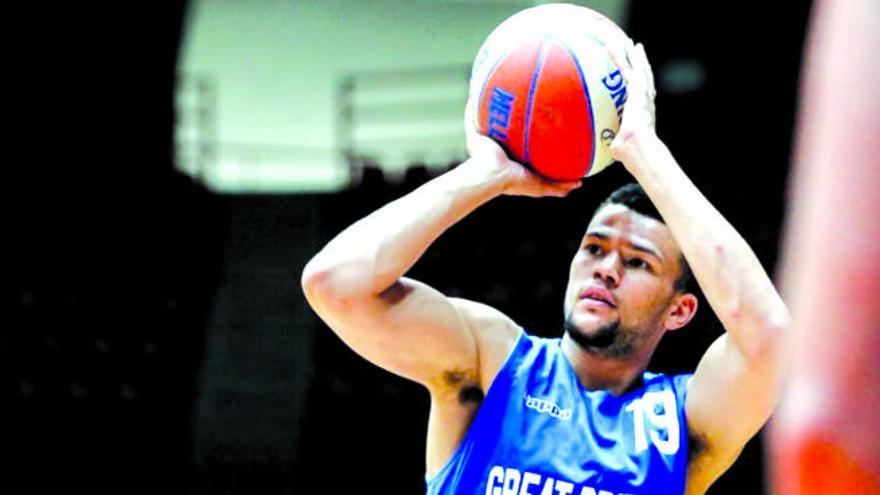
x,y
681,383
457,452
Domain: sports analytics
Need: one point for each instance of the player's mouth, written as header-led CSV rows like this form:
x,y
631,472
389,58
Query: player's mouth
x,y
596,296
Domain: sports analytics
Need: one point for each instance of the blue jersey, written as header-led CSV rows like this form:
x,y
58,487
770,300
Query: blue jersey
x,y
539,432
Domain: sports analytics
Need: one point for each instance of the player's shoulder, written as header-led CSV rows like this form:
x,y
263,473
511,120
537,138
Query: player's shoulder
x,y
495,333
489,326
479,313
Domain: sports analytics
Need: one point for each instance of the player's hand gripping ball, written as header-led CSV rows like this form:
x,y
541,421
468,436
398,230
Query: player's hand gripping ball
x,y
545,88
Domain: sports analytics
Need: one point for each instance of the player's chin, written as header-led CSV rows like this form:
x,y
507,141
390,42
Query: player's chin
x,y
592,311
588,322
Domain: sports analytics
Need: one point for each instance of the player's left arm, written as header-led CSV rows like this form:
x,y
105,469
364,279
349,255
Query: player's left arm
x,y
737,382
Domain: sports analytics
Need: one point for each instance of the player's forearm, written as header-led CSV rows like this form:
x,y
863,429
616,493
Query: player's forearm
x,y
373,253
730,275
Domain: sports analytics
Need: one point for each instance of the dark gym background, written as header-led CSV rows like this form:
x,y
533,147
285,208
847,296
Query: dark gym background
x,y
127,279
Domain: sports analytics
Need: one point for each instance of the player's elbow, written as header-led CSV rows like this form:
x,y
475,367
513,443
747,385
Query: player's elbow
x,y
768,341
777,326
778,322
320,283
331,286
313,280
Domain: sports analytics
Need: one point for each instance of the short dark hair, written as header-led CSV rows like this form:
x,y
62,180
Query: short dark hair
x,y
634,197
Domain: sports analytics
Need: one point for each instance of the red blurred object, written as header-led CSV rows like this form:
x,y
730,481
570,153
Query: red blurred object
x,y
826,434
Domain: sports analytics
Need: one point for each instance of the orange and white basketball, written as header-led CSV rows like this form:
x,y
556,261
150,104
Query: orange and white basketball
x,y
544,87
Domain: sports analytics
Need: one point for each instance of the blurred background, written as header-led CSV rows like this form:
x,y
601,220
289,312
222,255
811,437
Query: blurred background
x,y
180,161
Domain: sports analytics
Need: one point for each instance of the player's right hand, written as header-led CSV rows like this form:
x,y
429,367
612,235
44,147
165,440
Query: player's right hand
x,y
517,180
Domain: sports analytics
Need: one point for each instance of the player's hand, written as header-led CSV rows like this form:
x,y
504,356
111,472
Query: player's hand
x,y
638,117
516,179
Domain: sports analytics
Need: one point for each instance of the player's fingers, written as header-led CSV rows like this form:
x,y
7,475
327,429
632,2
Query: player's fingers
x,y
570,185
471,136
469,116
624,52
628,67
560,189
621,64
649,73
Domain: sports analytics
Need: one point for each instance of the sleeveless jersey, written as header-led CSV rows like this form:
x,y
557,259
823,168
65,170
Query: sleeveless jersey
x,y
539,432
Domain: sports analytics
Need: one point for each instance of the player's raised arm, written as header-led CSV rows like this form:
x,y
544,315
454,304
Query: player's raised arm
x,y
356,282
736,384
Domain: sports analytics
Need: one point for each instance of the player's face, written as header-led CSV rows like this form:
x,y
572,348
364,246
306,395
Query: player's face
x,y
621,280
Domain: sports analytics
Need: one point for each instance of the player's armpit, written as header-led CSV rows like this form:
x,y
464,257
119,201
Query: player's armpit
x,y
495,333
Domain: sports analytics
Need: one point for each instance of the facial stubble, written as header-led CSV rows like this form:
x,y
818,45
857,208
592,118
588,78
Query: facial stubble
x,y
608,341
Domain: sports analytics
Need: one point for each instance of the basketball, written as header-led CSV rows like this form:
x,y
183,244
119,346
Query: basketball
x,y
544,87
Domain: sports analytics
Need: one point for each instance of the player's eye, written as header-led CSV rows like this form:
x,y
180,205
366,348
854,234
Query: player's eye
x,y
593,249
636,263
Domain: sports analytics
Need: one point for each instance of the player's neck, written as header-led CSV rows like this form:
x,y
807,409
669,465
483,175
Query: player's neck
x,y
599,372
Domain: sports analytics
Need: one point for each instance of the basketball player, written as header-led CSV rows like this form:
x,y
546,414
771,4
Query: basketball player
x,y
513,414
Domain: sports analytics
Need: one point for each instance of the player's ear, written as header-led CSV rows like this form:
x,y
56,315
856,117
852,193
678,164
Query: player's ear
x,y
680,312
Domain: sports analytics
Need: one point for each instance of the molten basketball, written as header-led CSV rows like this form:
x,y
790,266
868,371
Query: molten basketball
x,y
544,87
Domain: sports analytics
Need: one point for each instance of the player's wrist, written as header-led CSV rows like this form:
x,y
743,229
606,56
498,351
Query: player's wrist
x,y
634,147
484,172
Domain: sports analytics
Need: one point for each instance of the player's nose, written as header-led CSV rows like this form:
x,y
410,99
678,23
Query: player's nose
x,y
607,269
